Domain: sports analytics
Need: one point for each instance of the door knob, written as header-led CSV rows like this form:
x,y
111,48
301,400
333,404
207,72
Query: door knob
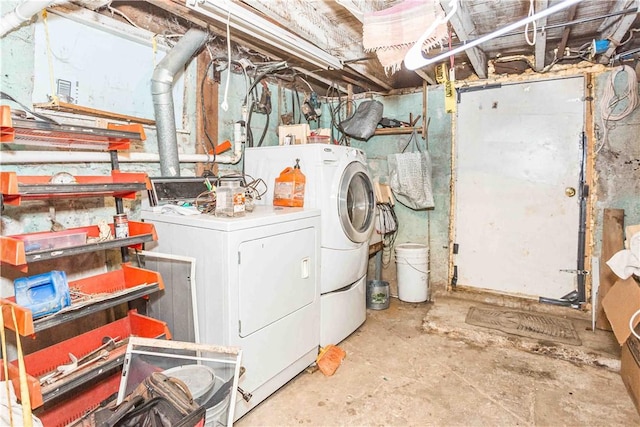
x,y
570,191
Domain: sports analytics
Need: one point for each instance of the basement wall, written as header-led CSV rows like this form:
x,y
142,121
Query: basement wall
x,y
617,164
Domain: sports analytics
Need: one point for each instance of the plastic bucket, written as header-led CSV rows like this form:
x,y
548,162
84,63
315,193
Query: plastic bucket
x,y
412,273
377,294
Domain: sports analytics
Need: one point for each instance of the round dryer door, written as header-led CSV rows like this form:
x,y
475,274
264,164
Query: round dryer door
x,y
356,203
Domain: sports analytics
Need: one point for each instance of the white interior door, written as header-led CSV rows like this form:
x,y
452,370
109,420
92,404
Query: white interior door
x,y
518,151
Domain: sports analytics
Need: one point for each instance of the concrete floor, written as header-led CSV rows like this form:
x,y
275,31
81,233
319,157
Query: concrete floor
x,y
420,364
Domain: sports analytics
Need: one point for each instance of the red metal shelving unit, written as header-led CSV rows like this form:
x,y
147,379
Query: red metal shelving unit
x,y
59,403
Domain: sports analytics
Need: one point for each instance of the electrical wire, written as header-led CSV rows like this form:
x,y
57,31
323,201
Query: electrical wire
x,y
610,100
532,41
205,202
113,11
387,226
205,120
33,113
225,102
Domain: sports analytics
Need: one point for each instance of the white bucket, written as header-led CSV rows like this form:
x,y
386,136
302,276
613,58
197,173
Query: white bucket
x,y
413,276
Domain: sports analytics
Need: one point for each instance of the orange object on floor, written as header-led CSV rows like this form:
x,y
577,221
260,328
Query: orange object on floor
x,y
330,359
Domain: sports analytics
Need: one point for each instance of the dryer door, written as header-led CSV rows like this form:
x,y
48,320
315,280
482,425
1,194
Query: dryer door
x,y
356,203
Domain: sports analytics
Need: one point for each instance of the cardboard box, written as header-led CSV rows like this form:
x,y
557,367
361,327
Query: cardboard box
x,y
620,304
630,369
299,132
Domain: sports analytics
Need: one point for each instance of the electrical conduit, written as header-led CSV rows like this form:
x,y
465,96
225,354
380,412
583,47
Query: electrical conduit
x,y
161,92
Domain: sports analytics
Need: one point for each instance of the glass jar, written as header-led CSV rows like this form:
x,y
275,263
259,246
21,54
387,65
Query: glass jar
x,y
230,199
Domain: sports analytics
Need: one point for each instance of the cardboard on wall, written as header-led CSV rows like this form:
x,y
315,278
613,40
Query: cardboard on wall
x,y
620,303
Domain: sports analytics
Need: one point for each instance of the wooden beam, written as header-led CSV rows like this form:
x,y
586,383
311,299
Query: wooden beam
x,y
590,173
541,37
616,7
464,28
360,69
426,77
180,10
352,8
615,36
567,30
209,93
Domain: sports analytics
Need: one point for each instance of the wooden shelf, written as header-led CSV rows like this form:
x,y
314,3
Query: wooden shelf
x,y
79,109
42,133
16,189
47,360
12,250
397,131
102,291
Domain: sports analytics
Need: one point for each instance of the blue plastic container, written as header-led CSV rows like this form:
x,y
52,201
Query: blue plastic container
x,y
44,293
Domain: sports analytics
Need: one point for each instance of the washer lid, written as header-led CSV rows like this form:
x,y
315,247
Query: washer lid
x,y
356,203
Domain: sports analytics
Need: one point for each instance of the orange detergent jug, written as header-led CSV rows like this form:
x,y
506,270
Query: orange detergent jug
x,y
289,187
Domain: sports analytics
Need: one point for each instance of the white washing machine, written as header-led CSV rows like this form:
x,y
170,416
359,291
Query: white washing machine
x,y
338,183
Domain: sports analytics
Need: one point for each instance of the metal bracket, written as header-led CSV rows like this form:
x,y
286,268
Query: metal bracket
x,y
463,89
580,272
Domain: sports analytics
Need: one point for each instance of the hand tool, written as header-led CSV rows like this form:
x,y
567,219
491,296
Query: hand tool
x,y
103,354
108,344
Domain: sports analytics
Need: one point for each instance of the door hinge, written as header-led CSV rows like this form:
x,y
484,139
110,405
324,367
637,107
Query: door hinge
x,y
239,258
456,246
454,278
239,326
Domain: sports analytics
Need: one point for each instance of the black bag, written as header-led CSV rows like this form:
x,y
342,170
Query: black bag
x,y
160,412
159,401
363,123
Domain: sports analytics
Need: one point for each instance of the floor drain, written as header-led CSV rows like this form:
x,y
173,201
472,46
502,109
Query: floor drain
x,y
525,324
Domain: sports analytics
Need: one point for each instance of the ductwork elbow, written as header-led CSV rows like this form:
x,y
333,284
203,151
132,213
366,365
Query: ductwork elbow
x,y
161,92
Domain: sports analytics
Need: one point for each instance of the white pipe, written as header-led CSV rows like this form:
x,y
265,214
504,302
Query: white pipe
x,y
414,58
21,14
26,157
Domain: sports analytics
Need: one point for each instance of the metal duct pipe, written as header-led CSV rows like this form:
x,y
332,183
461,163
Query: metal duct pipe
x,y
22,13
161,85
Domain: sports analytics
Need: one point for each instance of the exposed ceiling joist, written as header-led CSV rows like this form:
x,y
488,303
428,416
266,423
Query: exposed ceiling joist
x,y
352,8
362,71
427,78
617,33
616,7
567,30
541,37
464,28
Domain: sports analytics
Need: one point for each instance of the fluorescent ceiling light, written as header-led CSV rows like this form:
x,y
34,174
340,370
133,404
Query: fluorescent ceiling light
x,y
414,58
257,27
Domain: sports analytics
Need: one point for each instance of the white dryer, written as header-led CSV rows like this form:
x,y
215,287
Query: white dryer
x,y
338,183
